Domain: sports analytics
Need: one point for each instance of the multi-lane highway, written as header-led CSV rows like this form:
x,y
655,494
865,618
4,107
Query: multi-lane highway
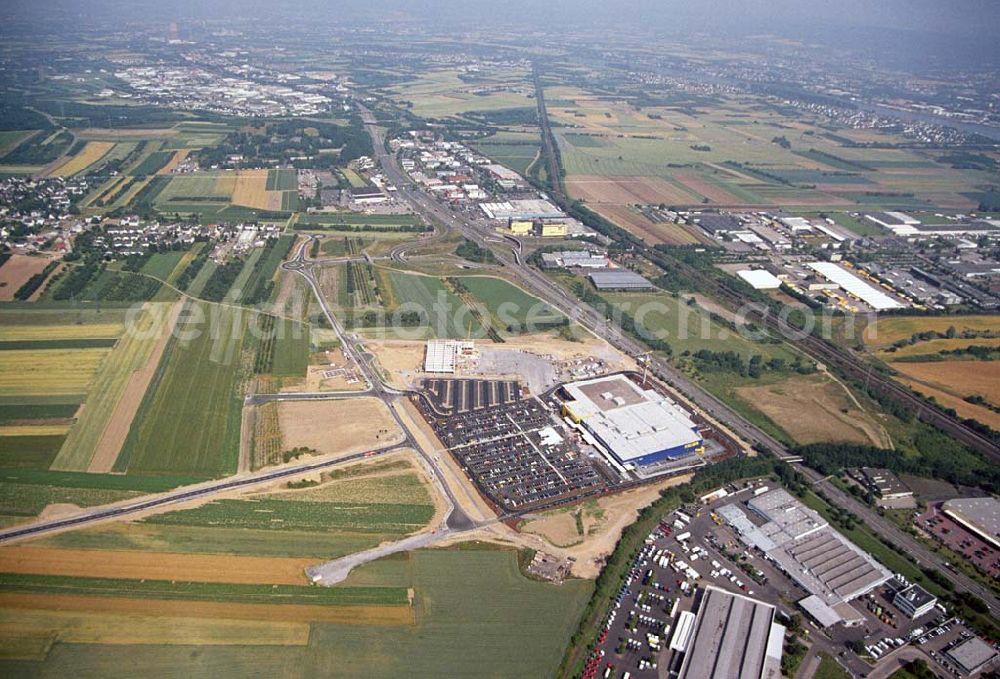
x,y
456,518
594,321
183,494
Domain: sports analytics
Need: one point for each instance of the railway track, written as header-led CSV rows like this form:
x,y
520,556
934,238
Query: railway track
x,y
853,368
816,348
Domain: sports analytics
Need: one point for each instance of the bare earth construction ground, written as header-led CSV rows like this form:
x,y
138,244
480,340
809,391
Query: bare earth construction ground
x,y
337,427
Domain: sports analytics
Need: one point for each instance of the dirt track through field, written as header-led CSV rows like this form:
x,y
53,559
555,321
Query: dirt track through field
x,y
114,434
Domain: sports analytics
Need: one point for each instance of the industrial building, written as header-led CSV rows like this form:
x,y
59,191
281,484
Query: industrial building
x,y
914,601
804,546
633,426
574,259
731,637
886,486
854,286
441,356
619,279
716,225
972,655
522,210
980,515
900,223
367,194
760,279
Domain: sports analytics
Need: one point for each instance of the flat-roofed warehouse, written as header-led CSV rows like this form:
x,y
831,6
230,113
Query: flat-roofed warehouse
x,y
800,542
635,426
972,655
619,279
981,515
854,286
734,637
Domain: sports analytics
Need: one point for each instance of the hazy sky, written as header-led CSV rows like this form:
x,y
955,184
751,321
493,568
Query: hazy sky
x,y
979,16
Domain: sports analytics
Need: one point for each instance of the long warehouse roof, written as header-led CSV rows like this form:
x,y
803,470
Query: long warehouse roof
x,y
853,285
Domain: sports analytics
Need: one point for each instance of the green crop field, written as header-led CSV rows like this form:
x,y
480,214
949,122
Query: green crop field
x,y
393,505
733,152
203,591
26,492
20,412
304,516
129,355
84,343
443,313
20,499
689,329
512,309
282,180
469,599
353,178
189,419
516,150
258,284
35,452
162,264
476,615
152,163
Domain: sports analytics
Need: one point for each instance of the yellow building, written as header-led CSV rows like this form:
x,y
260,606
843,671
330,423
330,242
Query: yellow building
x,y
521,228
554,230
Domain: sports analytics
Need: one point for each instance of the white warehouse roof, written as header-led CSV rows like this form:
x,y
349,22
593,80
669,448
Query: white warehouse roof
x,y
853,285
760,279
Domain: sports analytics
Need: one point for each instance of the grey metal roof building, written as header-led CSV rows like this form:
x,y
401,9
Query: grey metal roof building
x,y
716,224
735,637
972,655
981,515
797,539
619,279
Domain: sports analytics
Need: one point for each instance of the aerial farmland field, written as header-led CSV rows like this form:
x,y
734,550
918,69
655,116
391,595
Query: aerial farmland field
x,y
90,154
188,423
512,309
730,155
99,433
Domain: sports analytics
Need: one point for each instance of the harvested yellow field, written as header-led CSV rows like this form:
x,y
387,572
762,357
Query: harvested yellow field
x,y
9,332
934,346
225,184
22,626
136,565
814,408
88,155
337,427
961,378
34,429
41,372
177,159
251,190
964,409
888,330
213,611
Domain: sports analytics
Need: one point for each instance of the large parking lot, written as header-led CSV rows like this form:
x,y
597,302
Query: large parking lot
x,y
694,548
520,455
960,540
